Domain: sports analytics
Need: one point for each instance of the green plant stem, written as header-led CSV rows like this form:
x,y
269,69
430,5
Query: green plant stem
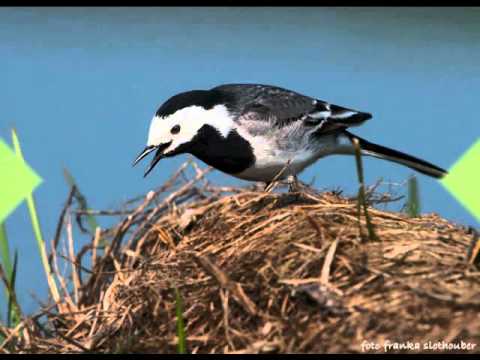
x,y
13,314
37,229
362,201
5,250
182,341
413,204
12,298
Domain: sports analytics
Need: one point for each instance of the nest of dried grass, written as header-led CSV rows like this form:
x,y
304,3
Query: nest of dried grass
x,y
260,272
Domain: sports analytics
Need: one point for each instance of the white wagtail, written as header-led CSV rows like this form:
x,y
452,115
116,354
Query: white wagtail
x,y
261,132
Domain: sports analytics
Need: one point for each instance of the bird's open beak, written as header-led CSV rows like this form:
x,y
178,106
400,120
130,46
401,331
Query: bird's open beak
x,y
158,155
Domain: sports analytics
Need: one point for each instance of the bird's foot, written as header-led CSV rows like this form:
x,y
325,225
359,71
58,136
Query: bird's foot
x,y
293,184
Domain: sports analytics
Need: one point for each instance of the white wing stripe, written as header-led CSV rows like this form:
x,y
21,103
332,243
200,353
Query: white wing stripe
x,y
344,115
320,114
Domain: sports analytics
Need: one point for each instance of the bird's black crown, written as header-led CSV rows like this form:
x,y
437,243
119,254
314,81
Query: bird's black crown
x,y
204,98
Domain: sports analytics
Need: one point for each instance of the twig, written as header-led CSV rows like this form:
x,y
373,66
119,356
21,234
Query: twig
x,y
165,186
67,298
60,222
327,263
66,338
224,296
273,182
75,275
165,203
96,239
94,281
236,289
10,336
474,248
102,212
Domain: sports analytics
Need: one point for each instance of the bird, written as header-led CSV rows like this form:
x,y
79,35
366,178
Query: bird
x,y
262,133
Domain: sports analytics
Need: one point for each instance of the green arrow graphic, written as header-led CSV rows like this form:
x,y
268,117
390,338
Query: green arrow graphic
x,y
17,180
463,180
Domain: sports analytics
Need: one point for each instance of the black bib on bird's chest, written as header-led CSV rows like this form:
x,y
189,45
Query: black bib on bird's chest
x,y
232,154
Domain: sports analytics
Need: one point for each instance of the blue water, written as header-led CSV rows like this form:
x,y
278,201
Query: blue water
x,y
81,85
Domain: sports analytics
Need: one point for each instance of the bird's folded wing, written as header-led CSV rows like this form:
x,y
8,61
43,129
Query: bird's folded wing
x,y
281,107
315,113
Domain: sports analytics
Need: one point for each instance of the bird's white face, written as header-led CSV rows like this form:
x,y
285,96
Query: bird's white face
x,y
167,134
182,126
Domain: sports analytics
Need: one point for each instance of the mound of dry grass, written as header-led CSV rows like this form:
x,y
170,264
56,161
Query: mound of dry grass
x,y
261,272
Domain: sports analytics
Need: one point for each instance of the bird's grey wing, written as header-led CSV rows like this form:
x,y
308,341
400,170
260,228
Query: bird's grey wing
x,y
265,102
281,107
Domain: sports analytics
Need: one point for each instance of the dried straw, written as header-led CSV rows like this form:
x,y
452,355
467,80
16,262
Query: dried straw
x,y
260,272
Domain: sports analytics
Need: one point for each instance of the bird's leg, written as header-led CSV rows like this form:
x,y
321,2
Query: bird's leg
x,y
293,184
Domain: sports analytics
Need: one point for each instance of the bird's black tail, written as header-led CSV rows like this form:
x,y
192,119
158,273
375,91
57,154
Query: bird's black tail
x,y
412,162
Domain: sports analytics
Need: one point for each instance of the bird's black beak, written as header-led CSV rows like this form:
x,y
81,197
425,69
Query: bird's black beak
x,y
144,153
158,155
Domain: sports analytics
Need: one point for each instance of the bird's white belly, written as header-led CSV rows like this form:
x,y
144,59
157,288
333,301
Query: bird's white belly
x,y
269,166
286,151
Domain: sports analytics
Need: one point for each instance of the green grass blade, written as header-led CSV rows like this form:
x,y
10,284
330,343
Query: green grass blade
x,y
5,250
92,222
413,202
13,314
182,341
37,229
12,298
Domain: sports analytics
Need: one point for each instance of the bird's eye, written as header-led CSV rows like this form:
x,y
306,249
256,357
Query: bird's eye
x,y
175,130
